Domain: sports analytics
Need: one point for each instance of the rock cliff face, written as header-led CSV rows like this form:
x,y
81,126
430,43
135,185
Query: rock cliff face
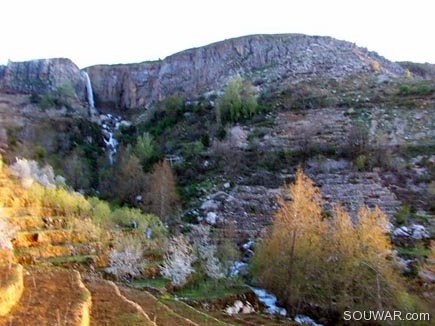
x,y
125,86
265,59
42,76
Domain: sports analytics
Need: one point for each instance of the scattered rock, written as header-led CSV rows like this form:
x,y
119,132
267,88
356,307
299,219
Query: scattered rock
x,y
238,137
405,264
427,276
240,307
209,205
411,233
211,218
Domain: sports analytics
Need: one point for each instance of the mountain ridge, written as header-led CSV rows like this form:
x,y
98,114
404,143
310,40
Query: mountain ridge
x,y
265,59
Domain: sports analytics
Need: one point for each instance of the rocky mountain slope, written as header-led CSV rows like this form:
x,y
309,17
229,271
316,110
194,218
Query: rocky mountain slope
x,y
321,87
267,60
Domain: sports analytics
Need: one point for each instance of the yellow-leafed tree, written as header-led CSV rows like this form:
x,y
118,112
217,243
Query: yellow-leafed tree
x,y
331,262
287,253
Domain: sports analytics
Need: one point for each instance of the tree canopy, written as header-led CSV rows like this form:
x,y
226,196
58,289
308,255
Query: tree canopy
x,y
329,261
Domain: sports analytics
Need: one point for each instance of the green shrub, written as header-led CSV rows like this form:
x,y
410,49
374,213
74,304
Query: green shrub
x,y
62,201
34,98
237,103
39,153
420,89
401,217
193,149
144,150
361,162
47,102
173,106
132,217
65,94
100,211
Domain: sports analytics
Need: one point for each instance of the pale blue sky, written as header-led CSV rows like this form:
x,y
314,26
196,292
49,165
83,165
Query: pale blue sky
x,y
92,31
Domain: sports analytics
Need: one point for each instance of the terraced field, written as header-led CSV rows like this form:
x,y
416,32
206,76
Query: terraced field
x,y
61,281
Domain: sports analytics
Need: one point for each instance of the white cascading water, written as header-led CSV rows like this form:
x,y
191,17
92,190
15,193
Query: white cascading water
x,y
268,299
89,91
108,122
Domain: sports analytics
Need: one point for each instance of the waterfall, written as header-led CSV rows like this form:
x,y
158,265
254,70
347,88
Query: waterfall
x,y
108,122
89,91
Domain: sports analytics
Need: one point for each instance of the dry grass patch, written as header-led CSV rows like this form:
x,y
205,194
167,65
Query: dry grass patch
x,y
44,237
28,222
51,296
109,307
158,312
42,252
198,317
11,286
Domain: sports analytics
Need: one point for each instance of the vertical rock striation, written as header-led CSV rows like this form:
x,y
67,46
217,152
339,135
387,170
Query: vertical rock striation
x,y
42,76
265,59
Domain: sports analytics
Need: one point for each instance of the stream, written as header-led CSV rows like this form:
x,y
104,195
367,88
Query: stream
x,y
269,300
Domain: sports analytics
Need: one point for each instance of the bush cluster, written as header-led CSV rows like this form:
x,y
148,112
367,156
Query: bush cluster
x,y
238,102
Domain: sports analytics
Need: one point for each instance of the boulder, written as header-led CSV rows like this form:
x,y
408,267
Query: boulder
x,y
239,307
209,205
412,232
211,218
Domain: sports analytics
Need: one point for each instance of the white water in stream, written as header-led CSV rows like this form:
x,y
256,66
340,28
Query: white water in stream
x,y
269,300
108,122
